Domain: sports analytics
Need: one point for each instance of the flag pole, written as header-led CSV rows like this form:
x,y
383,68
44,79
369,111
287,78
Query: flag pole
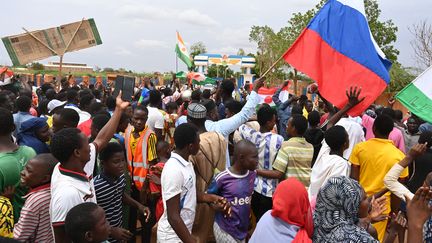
x,y
272,66
176,63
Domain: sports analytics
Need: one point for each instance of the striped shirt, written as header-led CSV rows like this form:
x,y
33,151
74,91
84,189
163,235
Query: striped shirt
x,y
109,195
294,159
34,222
268,145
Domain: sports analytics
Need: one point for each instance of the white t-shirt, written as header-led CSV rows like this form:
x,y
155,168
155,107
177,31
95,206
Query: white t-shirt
x,y
178,177
155,118
355,133
69,188
326,166
83,115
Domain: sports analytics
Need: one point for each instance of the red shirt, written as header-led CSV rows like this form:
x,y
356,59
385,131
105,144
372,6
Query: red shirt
x,y
153,186
85,127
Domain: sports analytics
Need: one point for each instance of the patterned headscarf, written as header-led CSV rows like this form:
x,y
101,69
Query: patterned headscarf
x,y
336,212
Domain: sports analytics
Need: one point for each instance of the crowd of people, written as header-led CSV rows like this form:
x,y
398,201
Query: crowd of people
x,y
181,164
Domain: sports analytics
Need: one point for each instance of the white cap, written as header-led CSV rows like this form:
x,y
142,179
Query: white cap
x,y
54,104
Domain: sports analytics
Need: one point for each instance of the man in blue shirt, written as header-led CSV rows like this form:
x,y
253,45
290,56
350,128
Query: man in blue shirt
x,y
229,125
23,104
283,110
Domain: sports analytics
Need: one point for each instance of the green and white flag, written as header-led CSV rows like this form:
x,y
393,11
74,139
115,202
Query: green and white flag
x,y
417,96
182,52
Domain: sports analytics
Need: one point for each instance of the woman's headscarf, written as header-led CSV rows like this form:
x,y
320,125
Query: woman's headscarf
x,y
336,212
27,135
291,205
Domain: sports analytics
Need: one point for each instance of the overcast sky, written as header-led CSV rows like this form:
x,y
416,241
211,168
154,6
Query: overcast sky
x,y
140,35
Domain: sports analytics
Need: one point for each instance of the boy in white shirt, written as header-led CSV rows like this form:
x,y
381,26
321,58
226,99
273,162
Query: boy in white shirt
x,y
179,190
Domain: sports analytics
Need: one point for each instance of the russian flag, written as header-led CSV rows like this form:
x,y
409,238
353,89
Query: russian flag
x,y
338,50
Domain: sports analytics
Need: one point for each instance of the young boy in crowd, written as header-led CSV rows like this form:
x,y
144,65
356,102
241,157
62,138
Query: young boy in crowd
x,y
110,190
179,189
164,153
34,223
87,223
295,157
140,143
268,145
236,184
13,158
72,178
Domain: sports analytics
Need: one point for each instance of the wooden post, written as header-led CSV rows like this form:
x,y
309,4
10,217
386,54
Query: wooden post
x,y
59,78
73,36
40,41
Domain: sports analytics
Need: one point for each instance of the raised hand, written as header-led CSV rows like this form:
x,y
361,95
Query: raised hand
x,y
121,104
417,150
258,84
353,96
418,209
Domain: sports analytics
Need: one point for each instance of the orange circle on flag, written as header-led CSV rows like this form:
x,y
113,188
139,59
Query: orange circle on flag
x,y
268,99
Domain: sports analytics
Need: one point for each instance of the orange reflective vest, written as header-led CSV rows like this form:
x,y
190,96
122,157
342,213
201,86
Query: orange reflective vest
x,y
138,163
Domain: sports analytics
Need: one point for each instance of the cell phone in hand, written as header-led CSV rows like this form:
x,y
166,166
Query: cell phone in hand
x,y
126,84
118,85
128,88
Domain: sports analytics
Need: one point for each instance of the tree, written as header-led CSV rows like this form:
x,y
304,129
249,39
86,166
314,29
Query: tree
x,y
196,49
37,66
241,52
422,43
268,50
108,70
400,77
219,71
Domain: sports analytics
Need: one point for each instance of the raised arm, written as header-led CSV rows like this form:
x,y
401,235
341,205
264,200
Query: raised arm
x,y
275,96
107,132
229,125
391,178
418,211
353,100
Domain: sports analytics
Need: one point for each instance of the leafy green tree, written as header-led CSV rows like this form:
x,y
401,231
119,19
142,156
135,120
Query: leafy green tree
x,y
196,49
37,66
108,69
400,77
241,52
219,71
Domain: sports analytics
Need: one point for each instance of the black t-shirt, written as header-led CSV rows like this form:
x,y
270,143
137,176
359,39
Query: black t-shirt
x,y
419,169
314,136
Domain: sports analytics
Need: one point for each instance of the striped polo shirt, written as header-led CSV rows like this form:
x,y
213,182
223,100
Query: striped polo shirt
x,y
268,145
34,222
109,195
294,159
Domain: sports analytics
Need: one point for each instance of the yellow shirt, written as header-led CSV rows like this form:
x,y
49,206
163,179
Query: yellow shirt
x,y
375,158
305,113
151,146
49,121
